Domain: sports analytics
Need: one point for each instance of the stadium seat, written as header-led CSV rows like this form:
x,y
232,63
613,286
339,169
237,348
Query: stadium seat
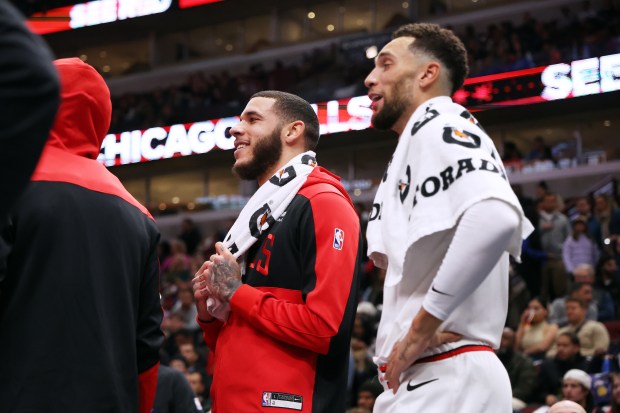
x,y
613,327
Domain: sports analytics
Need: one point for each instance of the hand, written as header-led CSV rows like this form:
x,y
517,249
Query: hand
x,y
201,294
223,275
550,400
422,335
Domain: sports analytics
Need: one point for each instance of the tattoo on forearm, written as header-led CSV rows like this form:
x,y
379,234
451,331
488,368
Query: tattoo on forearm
x,y
224,280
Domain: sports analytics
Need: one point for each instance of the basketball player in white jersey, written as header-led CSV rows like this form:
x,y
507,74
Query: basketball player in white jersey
x,y
443,223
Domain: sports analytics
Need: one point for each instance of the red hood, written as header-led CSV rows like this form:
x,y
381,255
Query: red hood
x,y
70,154
322,175
85,111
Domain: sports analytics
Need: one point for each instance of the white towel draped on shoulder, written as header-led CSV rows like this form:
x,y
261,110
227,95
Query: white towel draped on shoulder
x,y
262,210
444,163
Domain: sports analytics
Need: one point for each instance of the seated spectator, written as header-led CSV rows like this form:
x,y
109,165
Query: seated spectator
x,y
575,388
195,361
190,234
582,291
177,267
186,308
201,384
520,370
535,334
363,367
605,307
593,336
607,279
179,363
552,369
368,393
609,218
579,248
540,151
174,394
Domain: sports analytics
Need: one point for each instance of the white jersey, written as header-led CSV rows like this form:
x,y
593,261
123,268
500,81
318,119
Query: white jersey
x,y
480,318
444,164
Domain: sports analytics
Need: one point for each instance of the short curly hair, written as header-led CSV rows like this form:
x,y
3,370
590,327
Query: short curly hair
x,y
440,43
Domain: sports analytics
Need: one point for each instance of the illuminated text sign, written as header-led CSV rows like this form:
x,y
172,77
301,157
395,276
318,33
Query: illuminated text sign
x,y
94,13
540,84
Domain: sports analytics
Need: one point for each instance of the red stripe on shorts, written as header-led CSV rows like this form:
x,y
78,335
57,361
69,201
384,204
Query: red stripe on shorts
x,y
452,353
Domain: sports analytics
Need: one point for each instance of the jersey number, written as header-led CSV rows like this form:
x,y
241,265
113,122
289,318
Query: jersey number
x,y
266,250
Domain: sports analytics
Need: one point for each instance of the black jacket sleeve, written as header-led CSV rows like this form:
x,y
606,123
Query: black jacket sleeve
x,y
29,98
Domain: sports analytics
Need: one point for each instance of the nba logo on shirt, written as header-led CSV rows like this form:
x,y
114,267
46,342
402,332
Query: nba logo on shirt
x,y
338,238
266,398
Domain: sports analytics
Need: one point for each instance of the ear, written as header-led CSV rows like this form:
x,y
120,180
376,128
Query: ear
x,y
429,74
293,133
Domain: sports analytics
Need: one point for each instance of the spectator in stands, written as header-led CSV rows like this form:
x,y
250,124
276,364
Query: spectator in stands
x,y
177,267
554,229
195,361
615,393
532,256
520,370
174,393
605,308
364,368
511,153
190,234
535,334
540,151
576,387
176,334
579,248
368,393
201,384
593,336
607,279
374,279
552,370
609,217
584,209
186,308
179,363
582,291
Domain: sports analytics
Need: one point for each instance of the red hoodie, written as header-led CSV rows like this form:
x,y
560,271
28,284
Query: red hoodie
x,y
286,341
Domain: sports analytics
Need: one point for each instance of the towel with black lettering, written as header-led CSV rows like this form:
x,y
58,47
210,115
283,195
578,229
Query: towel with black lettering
x,y
444,163
262,210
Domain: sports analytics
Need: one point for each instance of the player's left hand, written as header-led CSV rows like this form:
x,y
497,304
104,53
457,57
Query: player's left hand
x,y
422,335
224,273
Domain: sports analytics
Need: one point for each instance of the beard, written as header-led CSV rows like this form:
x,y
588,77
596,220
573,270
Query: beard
x,y
266,152
392,111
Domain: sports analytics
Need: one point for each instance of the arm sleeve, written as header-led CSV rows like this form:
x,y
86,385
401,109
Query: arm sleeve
x,y
311,325
29,98
481,250
149,336
147,387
